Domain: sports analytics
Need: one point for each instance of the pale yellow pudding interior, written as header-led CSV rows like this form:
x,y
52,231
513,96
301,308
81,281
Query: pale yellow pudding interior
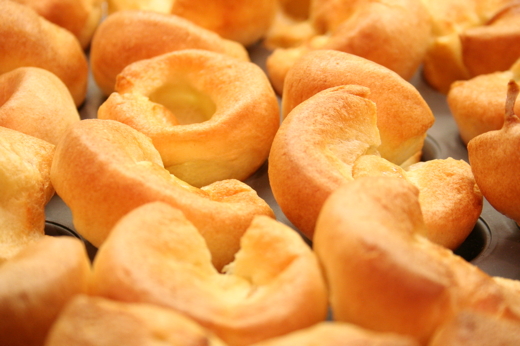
x,y
188,104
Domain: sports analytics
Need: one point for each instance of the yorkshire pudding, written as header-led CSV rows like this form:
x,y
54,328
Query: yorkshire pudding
x,y
477,105
102,169
243,21
115,323
273,286
403,117
332,138
25,163
30,40
495,160
209,126
36,102
80,17
383,275
470,38
394,34
128,36
36,284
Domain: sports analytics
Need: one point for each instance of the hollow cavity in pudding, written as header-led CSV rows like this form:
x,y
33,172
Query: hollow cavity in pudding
x,y
188,104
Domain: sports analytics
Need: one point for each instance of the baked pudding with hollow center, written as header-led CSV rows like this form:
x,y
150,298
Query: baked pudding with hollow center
x,y
211,117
